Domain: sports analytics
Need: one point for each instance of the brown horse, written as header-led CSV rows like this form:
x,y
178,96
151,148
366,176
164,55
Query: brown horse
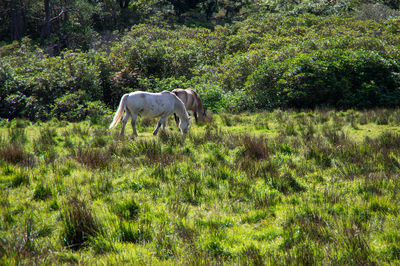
x,y
192,102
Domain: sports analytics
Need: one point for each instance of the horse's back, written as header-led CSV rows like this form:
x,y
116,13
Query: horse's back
x,y
151,104
186,97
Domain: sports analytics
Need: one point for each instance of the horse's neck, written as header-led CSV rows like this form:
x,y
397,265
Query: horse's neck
x,y
199,103
199,106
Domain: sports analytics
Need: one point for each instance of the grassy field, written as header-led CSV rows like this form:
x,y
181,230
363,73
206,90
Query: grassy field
x,y
313,187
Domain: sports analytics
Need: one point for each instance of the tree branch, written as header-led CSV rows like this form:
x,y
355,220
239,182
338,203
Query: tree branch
x,y
58,16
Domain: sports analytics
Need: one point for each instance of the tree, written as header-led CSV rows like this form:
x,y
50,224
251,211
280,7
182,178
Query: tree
x,y
17,22
46,30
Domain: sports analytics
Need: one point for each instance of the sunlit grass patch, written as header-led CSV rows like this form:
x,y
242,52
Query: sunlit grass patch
x,y
227,193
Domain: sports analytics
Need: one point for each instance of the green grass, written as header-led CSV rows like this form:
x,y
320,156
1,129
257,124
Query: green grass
x,y
281,187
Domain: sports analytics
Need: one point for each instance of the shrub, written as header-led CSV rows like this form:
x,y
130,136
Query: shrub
x,y
376,11
336,78
76,107
216,99
37,81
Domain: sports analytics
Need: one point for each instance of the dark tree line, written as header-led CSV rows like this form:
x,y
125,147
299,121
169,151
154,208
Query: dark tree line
x,y
59,24
43,18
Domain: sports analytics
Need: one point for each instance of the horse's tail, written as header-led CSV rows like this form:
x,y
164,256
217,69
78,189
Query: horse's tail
x,y
118,115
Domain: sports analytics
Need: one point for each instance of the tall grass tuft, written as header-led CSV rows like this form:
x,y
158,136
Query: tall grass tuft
x,y
79,225
255,148
19,178
154,152
15,153
165,244
100,245
285,182
127,209
216,250
17,135
152,149
352,243
47,136
20,247
137,234
171,138
92,157
42,192
251,255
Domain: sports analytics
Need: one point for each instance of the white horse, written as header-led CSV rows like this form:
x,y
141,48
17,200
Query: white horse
x,y
151,105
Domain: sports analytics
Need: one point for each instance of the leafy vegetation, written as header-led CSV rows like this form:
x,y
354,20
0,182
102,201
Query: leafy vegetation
x,y
272,187
279,55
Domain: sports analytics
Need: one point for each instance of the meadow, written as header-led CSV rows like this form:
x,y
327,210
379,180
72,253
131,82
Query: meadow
x,y
279,187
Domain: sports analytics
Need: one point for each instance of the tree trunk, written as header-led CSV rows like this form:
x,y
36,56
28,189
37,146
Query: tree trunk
x,y
124,3
46,31
17,20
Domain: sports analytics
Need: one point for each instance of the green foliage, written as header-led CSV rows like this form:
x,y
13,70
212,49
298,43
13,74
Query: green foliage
x,y
335,78
39,81
263,62
77,107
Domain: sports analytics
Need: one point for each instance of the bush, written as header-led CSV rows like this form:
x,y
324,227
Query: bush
x,y
76,107
33,82
266,61
335,78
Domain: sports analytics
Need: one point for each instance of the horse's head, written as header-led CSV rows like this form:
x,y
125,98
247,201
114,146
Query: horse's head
x,y
184,125
201,112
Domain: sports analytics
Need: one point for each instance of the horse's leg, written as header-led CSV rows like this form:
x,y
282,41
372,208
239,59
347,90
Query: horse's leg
x,y
124,121
161,122
176,119
133,123
195,116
